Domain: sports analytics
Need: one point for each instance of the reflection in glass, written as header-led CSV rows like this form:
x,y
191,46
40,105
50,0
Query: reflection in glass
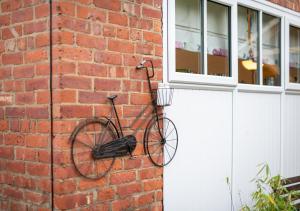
x,y
248,39
218,39
294,55
188,35
271,50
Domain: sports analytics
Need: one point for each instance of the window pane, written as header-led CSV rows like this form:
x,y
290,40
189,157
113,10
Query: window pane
x,y
248,45
294,54
188,41
218,39
271,50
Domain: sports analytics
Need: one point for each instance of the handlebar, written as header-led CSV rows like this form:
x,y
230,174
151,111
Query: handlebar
x,y
142,66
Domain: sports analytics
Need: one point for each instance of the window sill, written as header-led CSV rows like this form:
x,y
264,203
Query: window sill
x,y
259,88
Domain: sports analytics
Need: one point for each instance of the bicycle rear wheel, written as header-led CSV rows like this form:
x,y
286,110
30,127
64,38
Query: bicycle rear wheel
x,y
161,141
86,137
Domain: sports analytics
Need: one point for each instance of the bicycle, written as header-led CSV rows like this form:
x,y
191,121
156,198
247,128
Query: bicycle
x,y
96,142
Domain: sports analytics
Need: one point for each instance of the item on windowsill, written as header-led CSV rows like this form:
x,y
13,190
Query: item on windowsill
x,y
270,70
179,44
219,52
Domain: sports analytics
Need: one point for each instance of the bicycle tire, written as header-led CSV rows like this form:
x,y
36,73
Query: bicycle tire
x,y
168,141
82,158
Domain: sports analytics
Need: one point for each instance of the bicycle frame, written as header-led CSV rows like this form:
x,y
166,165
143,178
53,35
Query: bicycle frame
x,y
154,107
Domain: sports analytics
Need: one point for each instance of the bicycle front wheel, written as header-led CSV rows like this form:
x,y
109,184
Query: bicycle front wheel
x,y
87,137
161,141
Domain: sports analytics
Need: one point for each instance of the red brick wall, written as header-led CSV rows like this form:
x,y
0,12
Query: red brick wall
x,y
290,4
97,46
24,105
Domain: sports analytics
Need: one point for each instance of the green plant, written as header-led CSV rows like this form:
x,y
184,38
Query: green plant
x,y
270,194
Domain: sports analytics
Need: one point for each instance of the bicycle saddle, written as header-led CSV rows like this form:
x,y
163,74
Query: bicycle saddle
x,y
112,97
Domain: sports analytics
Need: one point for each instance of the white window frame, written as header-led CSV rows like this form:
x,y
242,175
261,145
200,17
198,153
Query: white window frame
x,y
175,77
289,21
213,82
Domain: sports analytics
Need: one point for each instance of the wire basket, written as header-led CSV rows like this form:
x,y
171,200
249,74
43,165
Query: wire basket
x,y
163,96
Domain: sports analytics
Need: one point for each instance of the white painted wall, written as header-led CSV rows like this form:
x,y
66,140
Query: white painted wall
x,y
227,134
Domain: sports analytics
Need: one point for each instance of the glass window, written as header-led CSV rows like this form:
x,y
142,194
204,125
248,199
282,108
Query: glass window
x,y
218,39
188,37
294,55
248,42
271,50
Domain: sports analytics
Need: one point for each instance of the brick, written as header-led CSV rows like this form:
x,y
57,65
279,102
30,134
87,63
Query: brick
x,y
6,99
15,112
60,68
24,98
35,198
71,201
13,58
64,96
15,166
91,13
36,141
92,97
139,23
64,8
88,69
36,84
22,15
42,40
5,73
42,10
108,58
76,111
66,186
22,44
107,84
4,20
13,193
145,49
13,86
7,152
37,112
23,72
42,69
132,164
11,5
118,19
125,204
33,27
109,31
90,184
108,4
78,25
63,126
122,178
120,46
152,37
63,37
153,185
131,86
90,42
149,173
106,194
43,97
43,126
145,199
37,169
140,99
75,82
14,139
81,54
3,125
35,56
43,156
151,13
123,33
25,154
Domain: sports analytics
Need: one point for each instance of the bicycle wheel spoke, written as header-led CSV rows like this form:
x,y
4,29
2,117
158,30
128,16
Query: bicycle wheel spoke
x,y
166,129
85,144
168,152
171,146
174,139
170,132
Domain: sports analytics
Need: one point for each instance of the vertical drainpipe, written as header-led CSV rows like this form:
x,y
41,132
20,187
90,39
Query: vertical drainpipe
x,y
51,103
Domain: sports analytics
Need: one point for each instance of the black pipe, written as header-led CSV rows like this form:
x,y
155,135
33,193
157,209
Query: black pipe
x,y
51,104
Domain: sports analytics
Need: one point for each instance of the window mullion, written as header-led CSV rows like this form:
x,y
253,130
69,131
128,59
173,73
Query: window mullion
x,y
260,49
204,39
